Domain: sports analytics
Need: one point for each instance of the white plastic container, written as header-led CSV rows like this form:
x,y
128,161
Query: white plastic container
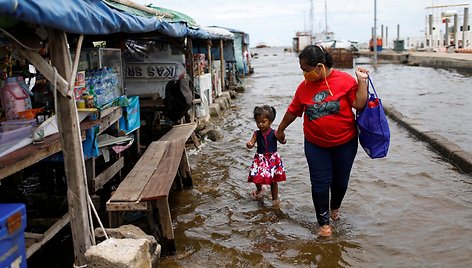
x,y
13,98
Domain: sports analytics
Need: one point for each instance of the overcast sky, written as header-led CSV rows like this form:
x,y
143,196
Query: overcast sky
x,y
274,22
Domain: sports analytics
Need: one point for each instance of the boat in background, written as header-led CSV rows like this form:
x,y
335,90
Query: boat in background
x,y
324,38
261,45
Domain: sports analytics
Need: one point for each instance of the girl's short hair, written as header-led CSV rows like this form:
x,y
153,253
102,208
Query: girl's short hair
x,y
315,54
265,110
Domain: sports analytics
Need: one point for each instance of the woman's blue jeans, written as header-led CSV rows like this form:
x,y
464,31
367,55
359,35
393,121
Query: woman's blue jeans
x,y
330,169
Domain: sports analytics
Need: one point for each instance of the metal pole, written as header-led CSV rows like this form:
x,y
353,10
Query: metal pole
x,y
398,31
431,30
456,27
374,33
465,26
386,36
311,21
446,36
326,17
382,32
304,21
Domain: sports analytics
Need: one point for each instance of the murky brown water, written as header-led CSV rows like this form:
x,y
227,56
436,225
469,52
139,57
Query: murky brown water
x,y
411,209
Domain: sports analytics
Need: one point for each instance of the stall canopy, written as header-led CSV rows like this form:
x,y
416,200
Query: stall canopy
x,y
200,45
219,33
93,17
241,42
244,36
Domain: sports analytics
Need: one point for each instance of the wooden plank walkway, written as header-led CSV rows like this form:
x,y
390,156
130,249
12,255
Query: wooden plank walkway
x,y
147,186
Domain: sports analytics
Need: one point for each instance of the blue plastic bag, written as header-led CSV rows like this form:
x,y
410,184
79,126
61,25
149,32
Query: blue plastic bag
x,y
372,123
131,120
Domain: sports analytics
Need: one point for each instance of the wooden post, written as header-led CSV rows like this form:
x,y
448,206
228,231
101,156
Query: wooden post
x,y
184,170
71,142
165,220
90,172
210,65
209,55
191,74
222,65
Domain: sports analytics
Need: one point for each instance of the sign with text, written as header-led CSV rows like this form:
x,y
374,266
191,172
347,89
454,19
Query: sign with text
x,y
151,70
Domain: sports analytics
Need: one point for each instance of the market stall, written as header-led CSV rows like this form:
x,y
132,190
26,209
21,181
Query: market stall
x,y
214,58
41,35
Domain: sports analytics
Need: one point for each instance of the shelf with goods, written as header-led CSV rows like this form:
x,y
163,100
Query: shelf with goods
x,y
39,123
36,116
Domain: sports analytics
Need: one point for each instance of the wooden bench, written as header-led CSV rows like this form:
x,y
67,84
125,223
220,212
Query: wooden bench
x,y
147,186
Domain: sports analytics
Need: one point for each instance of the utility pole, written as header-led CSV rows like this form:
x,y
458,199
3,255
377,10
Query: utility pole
x,y
304,21
326,17
311,21
465,26
374,35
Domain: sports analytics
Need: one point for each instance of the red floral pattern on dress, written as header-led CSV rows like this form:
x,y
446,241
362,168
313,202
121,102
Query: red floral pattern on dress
x,y
267,168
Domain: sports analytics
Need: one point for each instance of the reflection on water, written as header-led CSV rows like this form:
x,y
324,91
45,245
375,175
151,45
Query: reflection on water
x,y
410,209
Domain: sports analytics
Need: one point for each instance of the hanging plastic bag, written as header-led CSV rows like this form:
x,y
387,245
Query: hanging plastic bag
x,y
372,123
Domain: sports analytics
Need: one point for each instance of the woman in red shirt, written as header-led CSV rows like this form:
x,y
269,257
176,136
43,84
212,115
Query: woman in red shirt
x,y
325,99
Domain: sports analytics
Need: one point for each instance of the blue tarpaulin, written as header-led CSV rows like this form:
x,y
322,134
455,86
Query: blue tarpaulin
x,y
100,17
88,17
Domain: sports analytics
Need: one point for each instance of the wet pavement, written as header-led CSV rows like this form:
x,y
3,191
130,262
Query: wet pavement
x,y
411,209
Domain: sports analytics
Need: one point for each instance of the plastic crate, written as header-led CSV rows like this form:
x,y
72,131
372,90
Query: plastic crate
x,y
12,236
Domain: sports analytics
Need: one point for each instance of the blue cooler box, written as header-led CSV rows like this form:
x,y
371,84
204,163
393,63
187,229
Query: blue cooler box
x,y
12,237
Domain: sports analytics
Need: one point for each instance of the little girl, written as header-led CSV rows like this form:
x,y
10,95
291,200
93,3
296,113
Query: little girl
x,y
267,167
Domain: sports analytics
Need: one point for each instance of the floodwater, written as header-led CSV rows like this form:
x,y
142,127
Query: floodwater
x,y
411,209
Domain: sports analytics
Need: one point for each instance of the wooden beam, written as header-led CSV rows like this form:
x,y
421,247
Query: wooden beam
x,y
76,61
127,206
34,236
48,72
74,165
110,119
106,175
28,155
50,233
108,111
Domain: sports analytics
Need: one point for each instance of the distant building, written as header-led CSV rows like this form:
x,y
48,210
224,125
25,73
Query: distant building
x,y
444,26
301,40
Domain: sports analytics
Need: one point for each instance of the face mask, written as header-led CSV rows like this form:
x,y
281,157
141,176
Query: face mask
x,y
312,75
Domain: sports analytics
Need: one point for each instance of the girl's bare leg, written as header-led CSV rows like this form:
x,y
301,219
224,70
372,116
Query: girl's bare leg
x,y
274,189
259,188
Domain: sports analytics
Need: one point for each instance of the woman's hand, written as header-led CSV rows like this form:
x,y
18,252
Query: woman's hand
x,y
249,145
361,94
362,74
280,135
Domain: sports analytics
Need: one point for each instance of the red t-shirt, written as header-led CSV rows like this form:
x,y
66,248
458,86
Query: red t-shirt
x,y
328,120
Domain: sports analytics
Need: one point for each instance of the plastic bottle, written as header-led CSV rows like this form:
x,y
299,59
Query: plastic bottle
x,y
114,83
99,93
